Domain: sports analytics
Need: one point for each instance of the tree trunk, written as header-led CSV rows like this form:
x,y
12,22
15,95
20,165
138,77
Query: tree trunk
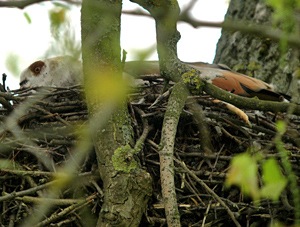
x,y
126,186
255,56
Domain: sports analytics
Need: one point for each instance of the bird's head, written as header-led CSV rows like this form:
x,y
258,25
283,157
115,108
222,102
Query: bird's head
x,y
31,76
60,71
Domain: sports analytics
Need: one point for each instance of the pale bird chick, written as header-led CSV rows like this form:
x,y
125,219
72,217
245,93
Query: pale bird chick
x,y
61,71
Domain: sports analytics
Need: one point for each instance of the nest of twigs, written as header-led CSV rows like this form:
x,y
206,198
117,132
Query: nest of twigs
x,y
47,125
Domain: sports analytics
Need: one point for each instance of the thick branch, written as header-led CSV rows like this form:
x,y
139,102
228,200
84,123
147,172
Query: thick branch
x,y
175,105
126,185
192,76
166,14
250,103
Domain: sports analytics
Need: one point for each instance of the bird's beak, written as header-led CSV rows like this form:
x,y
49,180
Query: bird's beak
x,y
23,83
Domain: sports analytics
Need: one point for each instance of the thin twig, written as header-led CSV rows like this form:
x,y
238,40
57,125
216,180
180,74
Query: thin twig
x,y
24,3
209,190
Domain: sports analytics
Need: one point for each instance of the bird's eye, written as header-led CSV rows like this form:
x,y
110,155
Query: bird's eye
x,y
37,69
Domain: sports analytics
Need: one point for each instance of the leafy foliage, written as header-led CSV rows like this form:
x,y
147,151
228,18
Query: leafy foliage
x,y
27,17
64,41
13,63
244,173
274,181
284,13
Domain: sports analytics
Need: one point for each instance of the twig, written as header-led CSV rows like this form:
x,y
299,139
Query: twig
x,y
55,115
66,211
205,214
25,192
57,202
199,119
4,76
24,3
146,128
210,191
6,104
232,25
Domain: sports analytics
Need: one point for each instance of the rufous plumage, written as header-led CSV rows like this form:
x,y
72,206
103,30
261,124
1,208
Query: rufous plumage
x,y
64,71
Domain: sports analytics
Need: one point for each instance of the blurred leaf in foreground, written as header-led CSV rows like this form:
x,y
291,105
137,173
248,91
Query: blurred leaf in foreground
x,y
243,173
273,179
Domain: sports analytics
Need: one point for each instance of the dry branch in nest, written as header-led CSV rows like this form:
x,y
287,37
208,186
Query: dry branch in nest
x,y
39,131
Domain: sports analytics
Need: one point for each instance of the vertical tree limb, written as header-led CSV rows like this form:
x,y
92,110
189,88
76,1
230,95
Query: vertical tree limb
x,y
126,185
166,152
166,15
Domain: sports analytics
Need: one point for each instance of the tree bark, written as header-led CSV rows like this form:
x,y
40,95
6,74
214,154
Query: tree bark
x,y
258,57
127,187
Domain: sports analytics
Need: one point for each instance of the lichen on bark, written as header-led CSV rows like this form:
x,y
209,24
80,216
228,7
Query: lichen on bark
x,y
123,159
125,197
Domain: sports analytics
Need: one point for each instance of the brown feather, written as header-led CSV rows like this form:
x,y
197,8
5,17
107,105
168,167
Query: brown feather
x,y
219,75
238,83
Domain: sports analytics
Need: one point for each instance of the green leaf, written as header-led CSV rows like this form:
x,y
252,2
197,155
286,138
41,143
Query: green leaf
x,y
243,173
57,17
281,127
273,179
8,164
12,63
5,164
26,15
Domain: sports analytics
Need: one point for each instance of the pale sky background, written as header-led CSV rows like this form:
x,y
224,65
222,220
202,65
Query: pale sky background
x,y
30,41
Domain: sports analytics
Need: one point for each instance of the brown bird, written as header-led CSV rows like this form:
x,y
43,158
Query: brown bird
x,y
63,71
239,84
220,76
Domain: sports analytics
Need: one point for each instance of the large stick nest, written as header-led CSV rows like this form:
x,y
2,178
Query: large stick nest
x,y
49,125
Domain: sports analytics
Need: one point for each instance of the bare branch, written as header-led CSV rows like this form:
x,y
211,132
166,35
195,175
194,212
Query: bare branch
x,y
24,3
250,103
245,27
230,25
175,105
